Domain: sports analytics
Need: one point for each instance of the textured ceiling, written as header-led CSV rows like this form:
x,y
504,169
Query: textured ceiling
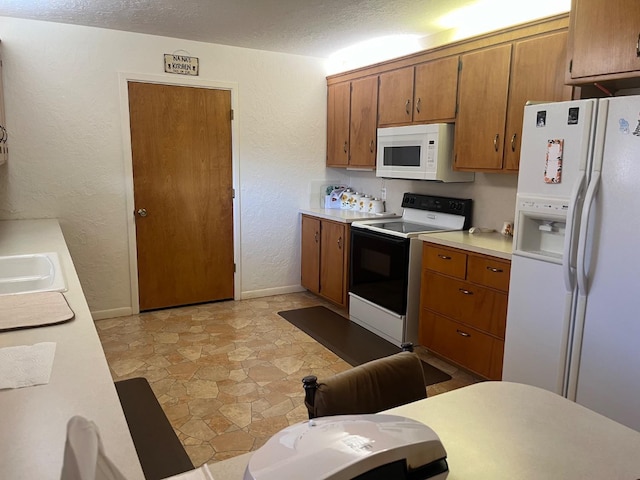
x,y
305,27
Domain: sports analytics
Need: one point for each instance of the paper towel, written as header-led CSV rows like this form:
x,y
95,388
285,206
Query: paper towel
x,y
26,365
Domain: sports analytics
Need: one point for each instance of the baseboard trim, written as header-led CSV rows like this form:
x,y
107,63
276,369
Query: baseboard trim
x,y
267,292
112,313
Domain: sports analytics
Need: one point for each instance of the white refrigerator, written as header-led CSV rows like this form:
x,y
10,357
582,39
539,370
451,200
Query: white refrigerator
x,y
573,320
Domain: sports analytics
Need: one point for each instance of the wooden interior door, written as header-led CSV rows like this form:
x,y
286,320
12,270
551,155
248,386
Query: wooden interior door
x,y
182,175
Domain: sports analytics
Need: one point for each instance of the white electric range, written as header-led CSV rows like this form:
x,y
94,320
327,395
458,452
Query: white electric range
x,y
386,260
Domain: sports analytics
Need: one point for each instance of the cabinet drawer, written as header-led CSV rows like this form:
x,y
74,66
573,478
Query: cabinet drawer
x,y
473,305
465,346
489,271
443,260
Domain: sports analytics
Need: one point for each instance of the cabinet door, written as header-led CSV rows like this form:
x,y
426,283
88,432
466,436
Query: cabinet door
x,y
396,97
310,262
482,101
604,37
435,90
537,74
364,114
338,107
332,261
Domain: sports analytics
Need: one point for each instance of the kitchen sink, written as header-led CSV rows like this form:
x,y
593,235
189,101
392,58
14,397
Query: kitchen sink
x,y
37,272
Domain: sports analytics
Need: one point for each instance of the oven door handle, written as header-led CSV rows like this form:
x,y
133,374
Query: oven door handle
x,y
364,232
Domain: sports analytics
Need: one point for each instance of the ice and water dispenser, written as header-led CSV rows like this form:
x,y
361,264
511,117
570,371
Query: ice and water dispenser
x,y
540,227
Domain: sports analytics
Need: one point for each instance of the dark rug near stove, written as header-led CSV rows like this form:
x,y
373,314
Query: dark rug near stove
x,y
351,342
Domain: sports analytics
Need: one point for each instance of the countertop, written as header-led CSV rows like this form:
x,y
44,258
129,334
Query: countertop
x,y
502,430
34,419
344,216
494,244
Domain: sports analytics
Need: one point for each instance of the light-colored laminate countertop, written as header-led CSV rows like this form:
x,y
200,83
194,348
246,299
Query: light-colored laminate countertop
x,y
502,430
344,216
494,244
34,419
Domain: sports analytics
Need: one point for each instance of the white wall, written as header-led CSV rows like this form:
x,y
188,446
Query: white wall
x,y
66,151
493,194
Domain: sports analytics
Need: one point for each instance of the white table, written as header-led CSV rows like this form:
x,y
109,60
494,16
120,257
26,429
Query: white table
x,y
501,430
33,419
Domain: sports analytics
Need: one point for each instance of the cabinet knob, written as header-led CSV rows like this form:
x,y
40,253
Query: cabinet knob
x,y
495,141
463,334
345,146
513,143
372,146
142,212
340,243
418,105
407,107
444,257
316,237
465,291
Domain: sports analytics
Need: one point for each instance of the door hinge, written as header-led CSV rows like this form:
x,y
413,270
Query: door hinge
x,y
231,114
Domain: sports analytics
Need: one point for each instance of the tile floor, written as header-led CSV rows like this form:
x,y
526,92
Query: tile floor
x,y
228,375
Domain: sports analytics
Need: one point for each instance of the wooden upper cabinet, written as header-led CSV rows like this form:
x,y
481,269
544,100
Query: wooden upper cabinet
x,y
482,106
435,90
604,38
352,109
338,109
419,94
363,125
495,85
396,97
537,74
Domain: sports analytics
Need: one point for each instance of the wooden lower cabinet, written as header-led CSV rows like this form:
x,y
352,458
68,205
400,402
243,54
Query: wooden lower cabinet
x,y
324,258
468,347
463,308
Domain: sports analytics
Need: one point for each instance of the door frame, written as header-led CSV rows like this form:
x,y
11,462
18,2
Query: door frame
x,y
123,79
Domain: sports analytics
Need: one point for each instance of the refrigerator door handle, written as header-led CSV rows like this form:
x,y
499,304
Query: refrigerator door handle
x,y
589,199
568,255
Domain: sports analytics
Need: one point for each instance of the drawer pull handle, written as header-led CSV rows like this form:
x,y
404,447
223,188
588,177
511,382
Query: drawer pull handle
x,y
444,257
495,270
463,334
465,292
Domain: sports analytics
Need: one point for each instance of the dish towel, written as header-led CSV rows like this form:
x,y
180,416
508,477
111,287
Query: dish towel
x,y
26,365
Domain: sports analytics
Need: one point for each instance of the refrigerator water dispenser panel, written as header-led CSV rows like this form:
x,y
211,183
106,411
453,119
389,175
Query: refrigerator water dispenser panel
x,y
540,228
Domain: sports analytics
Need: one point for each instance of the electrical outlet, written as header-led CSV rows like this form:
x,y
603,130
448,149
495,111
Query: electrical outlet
x,y
383,193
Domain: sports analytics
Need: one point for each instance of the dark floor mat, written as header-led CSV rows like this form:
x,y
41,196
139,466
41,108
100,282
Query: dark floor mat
x,y
351,342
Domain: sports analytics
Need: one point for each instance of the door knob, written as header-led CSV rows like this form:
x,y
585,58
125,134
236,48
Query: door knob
x,y
142,212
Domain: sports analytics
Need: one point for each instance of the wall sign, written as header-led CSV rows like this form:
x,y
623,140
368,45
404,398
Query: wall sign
x,y
181,64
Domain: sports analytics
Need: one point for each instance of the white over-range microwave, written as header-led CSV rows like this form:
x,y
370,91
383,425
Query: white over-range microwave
x,y
418,152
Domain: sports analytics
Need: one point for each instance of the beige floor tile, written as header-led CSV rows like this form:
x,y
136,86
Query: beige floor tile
x,y
228,374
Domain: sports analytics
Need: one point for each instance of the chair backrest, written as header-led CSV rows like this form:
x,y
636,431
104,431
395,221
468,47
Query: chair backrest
x,y
368,388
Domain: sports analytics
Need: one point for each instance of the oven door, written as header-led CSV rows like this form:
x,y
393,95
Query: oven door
x,y
378,268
